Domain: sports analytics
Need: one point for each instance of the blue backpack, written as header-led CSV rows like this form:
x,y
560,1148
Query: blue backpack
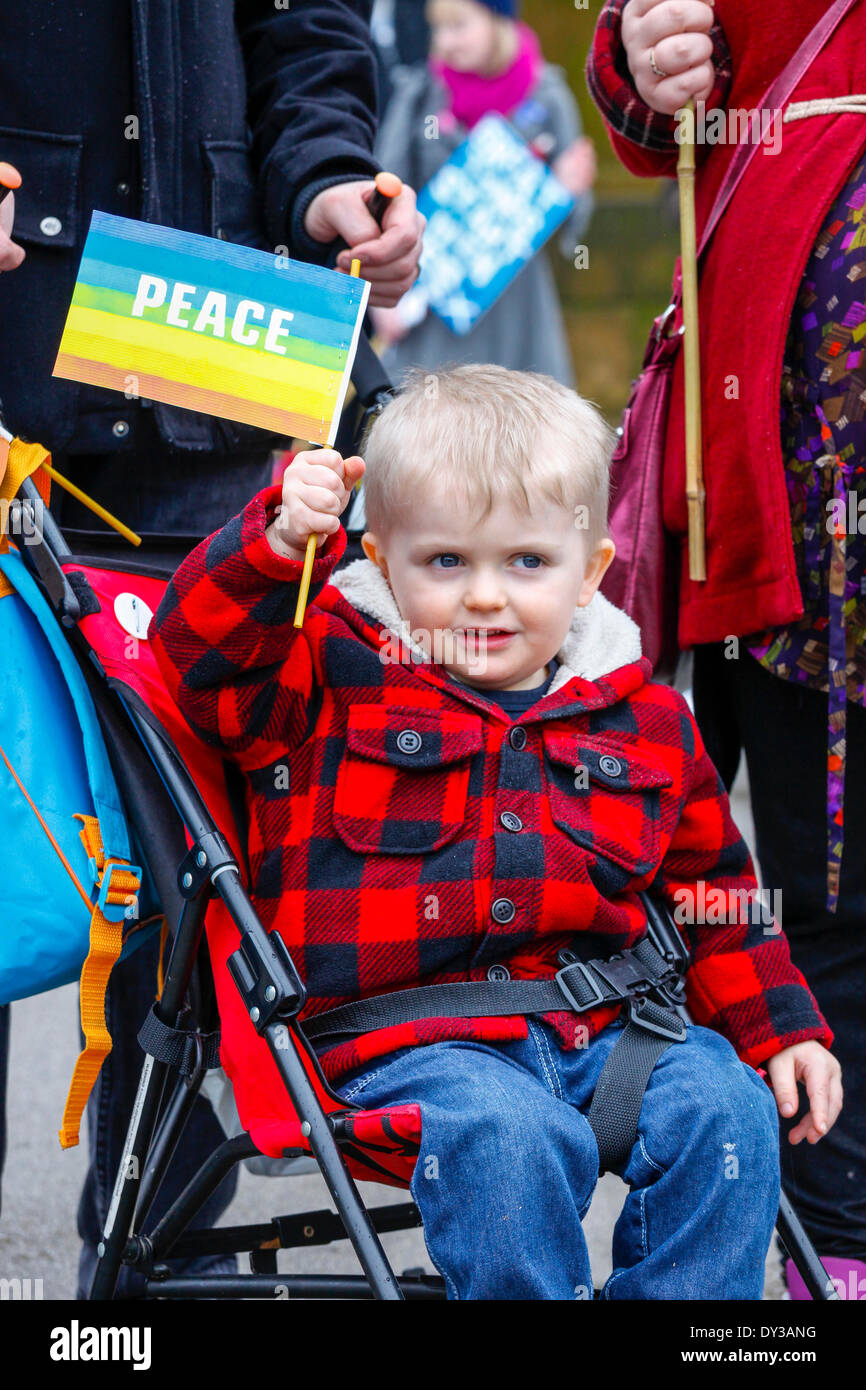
x,y
71,895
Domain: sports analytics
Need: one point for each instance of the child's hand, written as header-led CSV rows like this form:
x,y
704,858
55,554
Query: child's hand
x,y
676,34
575,167
316,487
821,1073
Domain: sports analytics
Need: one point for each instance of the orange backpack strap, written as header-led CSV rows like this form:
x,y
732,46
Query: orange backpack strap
x,y
118,883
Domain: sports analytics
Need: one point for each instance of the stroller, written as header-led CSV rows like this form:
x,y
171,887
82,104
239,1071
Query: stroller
x,y
225,971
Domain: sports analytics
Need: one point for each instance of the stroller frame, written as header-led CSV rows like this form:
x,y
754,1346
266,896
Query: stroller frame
x,y
274,995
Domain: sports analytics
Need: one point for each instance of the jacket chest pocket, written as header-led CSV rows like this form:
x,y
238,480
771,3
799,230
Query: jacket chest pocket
x,y
608,802
402,783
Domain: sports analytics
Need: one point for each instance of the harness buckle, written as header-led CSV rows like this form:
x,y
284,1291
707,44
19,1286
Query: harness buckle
x,y
673,1027
578,967
624,974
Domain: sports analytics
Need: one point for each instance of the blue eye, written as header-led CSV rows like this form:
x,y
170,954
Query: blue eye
x,y
447,556
538,562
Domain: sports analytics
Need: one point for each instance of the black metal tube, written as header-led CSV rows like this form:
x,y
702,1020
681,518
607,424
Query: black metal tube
x,y
170,1129
196,1192
181,960
803,1253
126,1184
301,1229
51,532
287,1286
224,1240
341,1186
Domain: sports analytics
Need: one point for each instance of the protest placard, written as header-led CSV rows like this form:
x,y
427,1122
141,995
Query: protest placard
x,y
489,209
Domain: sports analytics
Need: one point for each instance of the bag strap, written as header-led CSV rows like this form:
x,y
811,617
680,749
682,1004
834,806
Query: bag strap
x,y
774,98
117,882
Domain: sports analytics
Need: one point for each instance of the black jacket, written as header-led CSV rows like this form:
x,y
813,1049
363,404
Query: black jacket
x,y
216,117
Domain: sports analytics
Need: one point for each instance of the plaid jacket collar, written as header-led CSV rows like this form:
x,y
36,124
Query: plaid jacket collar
x,y
600,658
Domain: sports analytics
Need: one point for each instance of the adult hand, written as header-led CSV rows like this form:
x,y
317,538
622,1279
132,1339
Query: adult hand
x,y
673,34
11,255
576,167
821,1074
389,255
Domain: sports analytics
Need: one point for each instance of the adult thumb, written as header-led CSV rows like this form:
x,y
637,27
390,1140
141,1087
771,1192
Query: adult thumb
x,y
351,217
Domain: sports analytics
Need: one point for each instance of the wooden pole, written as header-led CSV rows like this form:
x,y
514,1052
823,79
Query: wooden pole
x,y
695,493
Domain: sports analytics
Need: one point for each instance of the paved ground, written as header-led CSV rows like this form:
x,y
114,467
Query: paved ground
x,y
41,1183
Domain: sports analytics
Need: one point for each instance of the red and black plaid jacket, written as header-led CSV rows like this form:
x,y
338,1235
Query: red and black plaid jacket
x,y
386,862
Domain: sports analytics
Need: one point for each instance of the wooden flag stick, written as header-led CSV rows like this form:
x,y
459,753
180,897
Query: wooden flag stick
x,y
695,494
310,553
128,535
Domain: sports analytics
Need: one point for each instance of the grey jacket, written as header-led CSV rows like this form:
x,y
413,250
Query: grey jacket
x,y
524,328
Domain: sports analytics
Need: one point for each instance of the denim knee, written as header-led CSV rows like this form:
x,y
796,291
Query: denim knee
x,y
709,1098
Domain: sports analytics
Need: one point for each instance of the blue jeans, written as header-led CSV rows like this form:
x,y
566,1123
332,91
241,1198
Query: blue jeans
x,y
508,1166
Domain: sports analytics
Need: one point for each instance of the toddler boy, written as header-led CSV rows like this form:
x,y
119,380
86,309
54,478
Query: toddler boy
x,y
459,769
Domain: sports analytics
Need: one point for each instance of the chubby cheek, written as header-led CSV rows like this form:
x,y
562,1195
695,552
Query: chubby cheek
x,y
427,606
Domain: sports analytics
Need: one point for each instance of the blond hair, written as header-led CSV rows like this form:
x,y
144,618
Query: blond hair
x,y
485,433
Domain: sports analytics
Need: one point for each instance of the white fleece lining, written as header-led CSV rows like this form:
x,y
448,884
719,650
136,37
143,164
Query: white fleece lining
x,y
601,637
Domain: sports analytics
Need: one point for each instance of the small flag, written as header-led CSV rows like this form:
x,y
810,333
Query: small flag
x,y
201,323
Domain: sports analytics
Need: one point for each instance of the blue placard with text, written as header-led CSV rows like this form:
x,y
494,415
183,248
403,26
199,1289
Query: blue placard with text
x,y
489,210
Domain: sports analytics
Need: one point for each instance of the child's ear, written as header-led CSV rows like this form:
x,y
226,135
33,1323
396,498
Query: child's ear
x,y
596,569
373,551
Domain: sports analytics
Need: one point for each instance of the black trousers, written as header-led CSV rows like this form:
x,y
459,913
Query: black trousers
x,y
782,727
153,488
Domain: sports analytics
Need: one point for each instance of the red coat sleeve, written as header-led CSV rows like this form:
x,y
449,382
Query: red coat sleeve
x,y
741,980
224,637
642,139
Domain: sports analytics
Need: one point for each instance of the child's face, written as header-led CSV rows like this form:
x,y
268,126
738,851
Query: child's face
x,y
462,34
490,600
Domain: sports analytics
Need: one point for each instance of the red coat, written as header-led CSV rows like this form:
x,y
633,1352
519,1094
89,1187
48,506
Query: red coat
x,y
404,831
749,281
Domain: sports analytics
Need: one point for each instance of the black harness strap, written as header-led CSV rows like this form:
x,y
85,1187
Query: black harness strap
x,y
578,986
615,1110
633,976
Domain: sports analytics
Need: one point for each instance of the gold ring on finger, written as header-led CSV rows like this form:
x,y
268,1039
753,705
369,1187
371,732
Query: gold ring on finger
x,y
657,70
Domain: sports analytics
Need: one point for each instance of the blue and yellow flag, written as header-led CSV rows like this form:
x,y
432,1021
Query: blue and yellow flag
x,y
197,322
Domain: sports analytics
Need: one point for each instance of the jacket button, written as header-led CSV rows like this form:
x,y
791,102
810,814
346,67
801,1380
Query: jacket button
x,y
120,429
408,741
51,226
498,973
611,767
517,739
123,188
503,910
511,821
